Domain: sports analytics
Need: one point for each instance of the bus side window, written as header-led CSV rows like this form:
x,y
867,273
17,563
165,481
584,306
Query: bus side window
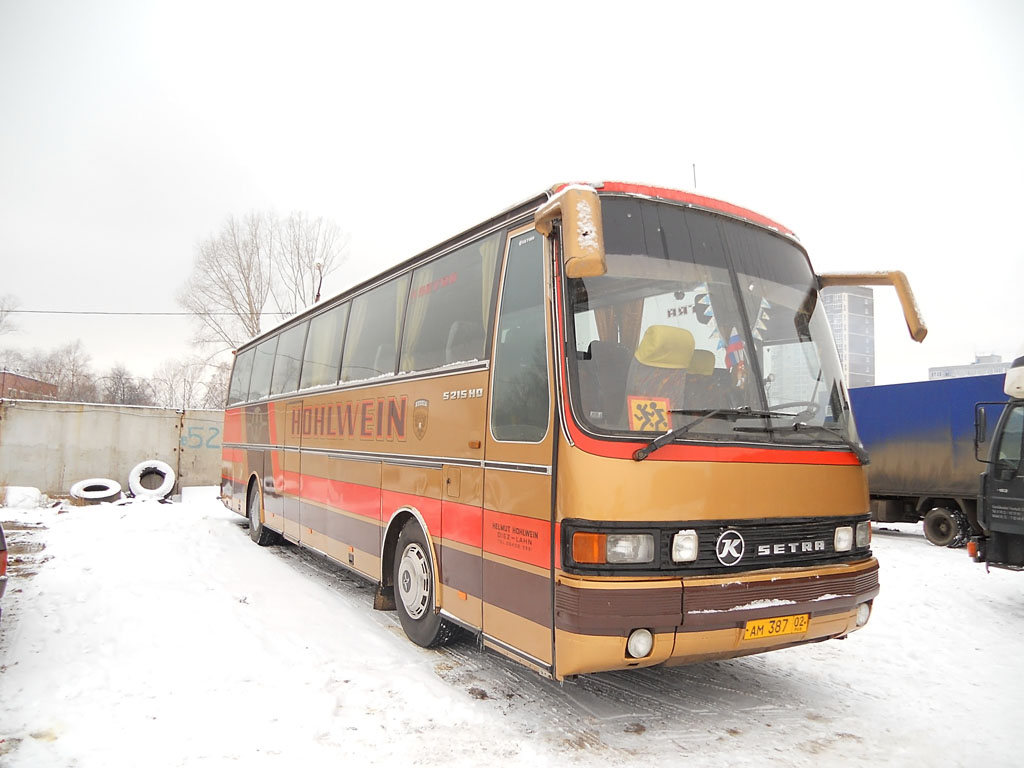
x,y
263,369
373,327
322,359
288,360
450,302
240,374
521,405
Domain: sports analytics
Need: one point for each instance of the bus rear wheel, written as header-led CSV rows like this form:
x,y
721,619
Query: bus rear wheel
x,y
258,532
414,590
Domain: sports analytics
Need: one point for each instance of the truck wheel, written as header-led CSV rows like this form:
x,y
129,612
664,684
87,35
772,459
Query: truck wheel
x,y
963,530
941,527
414,590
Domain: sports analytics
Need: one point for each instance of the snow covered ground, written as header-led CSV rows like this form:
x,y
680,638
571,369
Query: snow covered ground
x,y
159,635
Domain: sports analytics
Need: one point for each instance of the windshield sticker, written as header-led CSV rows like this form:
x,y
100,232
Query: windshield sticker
x,y
648,414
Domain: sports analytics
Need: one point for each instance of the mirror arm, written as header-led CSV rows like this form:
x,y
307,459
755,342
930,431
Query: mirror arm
x,y
898,280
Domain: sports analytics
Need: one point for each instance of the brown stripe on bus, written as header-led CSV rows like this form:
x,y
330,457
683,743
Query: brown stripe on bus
x,y
517,591
617,611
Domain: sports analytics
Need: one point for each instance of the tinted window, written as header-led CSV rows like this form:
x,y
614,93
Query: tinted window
x,y
521,405
288,360
449,305
262,368
323,348
371,344
239,390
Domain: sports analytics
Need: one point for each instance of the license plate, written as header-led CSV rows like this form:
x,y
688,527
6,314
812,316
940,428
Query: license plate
x,y
783,625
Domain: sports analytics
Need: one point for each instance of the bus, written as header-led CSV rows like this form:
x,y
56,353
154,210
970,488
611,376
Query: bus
x,y
604,429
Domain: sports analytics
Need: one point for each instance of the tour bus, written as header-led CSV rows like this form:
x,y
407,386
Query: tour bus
x,y
605,429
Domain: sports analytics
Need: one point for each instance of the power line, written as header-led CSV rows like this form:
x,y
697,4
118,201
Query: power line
x,y
133,314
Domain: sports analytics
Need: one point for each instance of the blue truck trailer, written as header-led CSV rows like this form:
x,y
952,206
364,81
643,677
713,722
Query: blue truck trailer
x,y
921,441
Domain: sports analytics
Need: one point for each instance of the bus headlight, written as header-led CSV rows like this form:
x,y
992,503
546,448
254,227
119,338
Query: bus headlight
x,y
863,534
630,548
599,548
684,547
844,538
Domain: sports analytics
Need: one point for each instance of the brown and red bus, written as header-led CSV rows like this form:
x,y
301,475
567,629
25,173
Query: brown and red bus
x,y
606,428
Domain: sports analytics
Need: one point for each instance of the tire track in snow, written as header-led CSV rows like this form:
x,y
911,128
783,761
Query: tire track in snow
x,y
628,712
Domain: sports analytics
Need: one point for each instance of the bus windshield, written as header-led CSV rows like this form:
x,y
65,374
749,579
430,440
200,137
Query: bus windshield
x,y
703,322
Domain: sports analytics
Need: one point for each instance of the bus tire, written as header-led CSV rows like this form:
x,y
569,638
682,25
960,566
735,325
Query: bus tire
x,y
146,469
414,590
258,532
941,527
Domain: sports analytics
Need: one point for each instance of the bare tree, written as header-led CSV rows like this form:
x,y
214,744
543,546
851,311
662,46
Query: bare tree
x,y
178,383
254,266
121,388
216,386
309,249
7,305
68,367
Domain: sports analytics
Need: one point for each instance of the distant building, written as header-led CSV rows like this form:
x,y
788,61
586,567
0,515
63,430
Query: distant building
x,y
851,313
20,387
983,365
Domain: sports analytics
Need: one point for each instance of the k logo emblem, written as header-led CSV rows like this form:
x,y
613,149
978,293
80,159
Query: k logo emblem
x,y
419,418
729,548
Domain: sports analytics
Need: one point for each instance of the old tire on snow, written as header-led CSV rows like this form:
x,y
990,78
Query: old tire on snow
x,y
414,590
150,472
95,490
941,527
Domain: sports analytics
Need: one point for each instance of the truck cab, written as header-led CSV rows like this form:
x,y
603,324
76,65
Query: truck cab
x,y
1001,497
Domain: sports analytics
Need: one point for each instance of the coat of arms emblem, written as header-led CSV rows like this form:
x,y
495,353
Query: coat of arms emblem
x,y
419,418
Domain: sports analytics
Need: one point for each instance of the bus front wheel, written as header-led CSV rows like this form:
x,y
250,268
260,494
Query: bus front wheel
x,y
414,590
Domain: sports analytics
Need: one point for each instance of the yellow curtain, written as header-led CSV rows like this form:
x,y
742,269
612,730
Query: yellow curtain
x,y
488,261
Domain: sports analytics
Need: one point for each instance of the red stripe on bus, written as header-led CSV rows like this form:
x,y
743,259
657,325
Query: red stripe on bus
x,y
235,455
361,500
462,523
233,426
525,539
429,509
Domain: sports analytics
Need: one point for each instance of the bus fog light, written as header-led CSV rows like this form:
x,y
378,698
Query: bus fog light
x,y
863,614
640,643
684,547
630,548
863,534
844,538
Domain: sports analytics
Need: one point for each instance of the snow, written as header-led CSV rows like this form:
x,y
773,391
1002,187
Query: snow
x,y
158,634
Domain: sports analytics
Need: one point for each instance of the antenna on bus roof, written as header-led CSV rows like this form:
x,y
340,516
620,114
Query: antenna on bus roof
x,y
694,175
319,268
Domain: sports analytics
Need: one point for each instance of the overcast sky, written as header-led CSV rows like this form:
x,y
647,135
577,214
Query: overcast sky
x,y
887,135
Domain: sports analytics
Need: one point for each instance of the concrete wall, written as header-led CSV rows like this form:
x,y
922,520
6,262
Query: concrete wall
x,y
51,446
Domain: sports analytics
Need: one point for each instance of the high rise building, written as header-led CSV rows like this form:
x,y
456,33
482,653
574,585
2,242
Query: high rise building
x,y
851,313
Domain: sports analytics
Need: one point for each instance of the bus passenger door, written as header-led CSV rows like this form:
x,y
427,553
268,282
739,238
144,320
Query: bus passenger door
x,y
517,522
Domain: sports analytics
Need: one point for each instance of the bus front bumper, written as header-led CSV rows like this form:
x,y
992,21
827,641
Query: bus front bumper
x,y
705,618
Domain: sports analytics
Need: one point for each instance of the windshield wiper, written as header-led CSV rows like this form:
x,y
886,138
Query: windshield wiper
x,y
801,426
729,414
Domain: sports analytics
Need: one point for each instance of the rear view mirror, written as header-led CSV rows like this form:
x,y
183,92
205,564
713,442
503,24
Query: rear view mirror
x,y
579,209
